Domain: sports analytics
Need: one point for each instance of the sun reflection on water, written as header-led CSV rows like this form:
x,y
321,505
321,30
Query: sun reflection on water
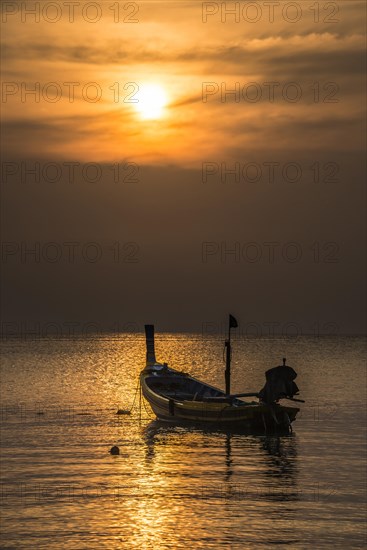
x,y
173,487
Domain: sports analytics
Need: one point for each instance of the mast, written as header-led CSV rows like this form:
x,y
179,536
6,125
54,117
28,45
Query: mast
x,y
149,336
232,323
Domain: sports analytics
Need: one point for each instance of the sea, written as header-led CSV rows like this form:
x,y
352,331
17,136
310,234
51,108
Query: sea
x,y
174,487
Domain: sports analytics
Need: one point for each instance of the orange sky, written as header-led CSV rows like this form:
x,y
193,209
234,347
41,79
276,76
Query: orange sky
x,y
169,209
171,46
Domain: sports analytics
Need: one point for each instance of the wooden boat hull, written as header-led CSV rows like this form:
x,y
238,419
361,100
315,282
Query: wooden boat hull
x,y
209,405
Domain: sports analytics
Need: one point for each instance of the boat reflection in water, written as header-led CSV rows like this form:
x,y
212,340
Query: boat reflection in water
x,y
253,476
281,451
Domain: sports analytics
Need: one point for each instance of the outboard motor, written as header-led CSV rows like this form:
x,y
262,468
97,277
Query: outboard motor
x,y
279,384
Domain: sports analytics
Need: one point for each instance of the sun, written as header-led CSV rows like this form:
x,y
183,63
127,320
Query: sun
x,y
152,100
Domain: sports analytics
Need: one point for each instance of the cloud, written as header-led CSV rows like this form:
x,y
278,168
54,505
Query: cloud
x,y
121,52
309,55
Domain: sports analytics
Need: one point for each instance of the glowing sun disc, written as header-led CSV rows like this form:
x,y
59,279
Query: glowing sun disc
x,y
151,101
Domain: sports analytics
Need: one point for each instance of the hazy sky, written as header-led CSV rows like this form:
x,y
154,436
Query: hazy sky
x,y
160,230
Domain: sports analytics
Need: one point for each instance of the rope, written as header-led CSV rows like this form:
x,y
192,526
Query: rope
x,y
142,399
136,392
148,412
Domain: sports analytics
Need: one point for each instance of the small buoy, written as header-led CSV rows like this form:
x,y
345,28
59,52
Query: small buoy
x,y
123,411
115,450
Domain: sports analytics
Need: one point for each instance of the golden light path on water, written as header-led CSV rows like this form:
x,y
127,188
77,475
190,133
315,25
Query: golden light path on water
x,y
173,487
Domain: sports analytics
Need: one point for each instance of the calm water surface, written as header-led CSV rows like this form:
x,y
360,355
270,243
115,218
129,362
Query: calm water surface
x,y
178,487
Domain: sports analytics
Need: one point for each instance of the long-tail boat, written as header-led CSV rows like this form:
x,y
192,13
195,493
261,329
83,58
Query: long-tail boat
x,y
178,397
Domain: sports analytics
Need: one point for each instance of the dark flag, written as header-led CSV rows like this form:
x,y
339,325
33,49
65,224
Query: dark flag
x,y
232,322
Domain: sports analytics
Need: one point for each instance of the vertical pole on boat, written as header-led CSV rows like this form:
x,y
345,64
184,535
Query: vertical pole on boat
x,y
228,364
139,401
231,324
